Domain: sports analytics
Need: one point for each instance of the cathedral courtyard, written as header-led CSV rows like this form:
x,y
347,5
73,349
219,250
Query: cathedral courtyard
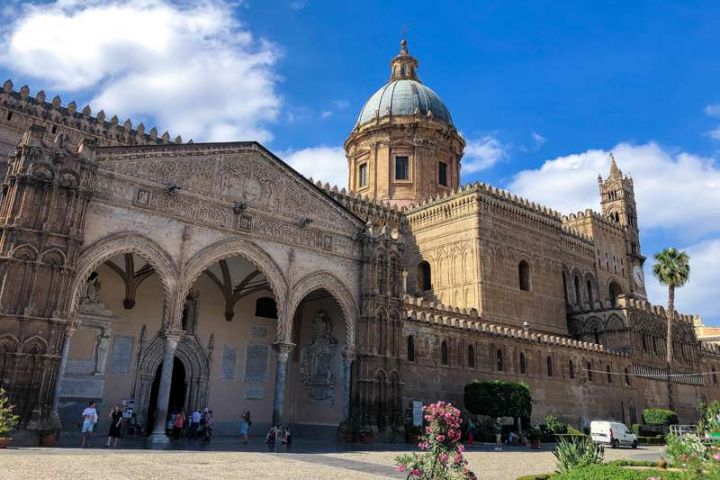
x,y
227,458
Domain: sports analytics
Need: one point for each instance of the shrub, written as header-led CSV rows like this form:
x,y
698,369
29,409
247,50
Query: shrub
x,y
614,472
554,425
498,399
636,428
542,476
709,417
7,419
574,431
442,457
659,416
579,452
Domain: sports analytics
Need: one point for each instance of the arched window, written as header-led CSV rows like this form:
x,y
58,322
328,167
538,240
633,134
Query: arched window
x,y
471,356
589,292
523,364
549,366
615,291
571,369
444,353
609,374
411,348
644,342
499,360
565,290
578,297
424,276
596,334
627,378
589,371
524,276
266,307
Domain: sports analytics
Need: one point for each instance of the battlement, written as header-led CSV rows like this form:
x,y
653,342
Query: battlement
x,y
646,307
590,214
708,348
362,205
82,120
421,310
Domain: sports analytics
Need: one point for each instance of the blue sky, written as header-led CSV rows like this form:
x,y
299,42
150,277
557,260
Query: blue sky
x,y
542,91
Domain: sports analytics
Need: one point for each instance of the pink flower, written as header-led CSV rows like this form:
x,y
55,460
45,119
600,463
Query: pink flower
x,y
717,457
461,447
415,472
401,467
440,438
443,458
458,458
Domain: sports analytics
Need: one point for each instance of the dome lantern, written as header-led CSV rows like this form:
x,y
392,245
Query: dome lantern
x,y
404,66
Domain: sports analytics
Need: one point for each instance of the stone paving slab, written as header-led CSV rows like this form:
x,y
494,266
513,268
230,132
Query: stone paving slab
x,y
312,461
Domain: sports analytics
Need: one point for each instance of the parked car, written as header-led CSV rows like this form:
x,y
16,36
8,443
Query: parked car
x,y
614,434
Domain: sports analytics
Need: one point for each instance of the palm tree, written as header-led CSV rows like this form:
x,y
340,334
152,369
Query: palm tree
x,y
672,268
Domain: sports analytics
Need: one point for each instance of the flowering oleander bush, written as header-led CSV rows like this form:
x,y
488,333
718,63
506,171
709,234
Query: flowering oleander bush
x,y
688,451
442,457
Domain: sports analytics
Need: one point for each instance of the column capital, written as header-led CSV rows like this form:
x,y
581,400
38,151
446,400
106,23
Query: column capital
x,y
172,337
283,350
349,353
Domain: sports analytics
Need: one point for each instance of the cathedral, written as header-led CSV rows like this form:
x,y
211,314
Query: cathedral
x,y
160,275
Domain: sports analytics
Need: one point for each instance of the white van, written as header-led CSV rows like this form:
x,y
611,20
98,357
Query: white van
x,y
612,433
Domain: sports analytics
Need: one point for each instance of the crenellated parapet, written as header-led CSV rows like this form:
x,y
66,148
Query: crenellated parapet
x,y
577,221
421,310
646,307
370,210
21,110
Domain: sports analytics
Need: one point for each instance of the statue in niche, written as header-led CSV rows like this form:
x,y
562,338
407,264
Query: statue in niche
x,y
91,292
102,346
316,364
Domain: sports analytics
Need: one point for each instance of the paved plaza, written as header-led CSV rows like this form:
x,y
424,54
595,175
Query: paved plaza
x,y
227,458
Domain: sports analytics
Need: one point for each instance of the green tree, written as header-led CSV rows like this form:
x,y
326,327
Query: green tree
x,y
672,269
498,399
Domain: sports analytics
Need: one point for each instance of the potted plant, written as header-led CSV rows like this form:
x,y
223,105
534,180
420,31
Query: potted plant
x,y
366,435
7,419
412,434
48,430
534,436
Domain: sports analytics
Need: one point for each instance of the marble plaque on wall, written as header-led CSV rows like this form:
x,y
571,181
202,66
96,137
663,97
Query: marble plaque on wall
x,y
259,331
256,363
228,361
255,393
82,387
121,356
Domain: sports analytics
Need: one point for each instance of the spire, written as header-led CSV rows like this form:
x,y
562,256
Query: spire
x,y
404,66
614,170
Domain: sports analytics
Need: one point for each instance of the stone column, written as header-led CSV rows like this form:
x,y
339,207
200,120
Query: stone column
x,y
348,358
158,436
69,330
282,356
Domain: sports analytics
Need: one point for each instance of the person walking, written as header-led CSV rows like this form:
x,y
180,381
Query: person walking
x,y
90,418
208,422
245,425
179,424
195,419
116,420
498,434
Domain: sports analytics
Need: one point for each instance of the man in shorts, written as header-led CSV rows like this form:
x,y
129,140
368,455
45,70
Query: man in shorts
x,y
90,418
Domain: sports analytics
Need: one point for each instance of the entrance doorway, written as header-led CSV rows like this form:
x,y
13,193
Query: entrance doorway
x,y
177,392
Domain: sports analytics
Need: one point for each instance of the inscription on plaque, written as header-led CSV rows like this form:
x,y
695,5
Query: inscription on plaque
x,y
258,331
228,361
82,387
256,363
121,354
254,393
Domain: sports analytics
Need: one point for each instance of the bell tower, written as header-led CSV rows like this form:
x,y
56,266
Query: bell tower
x,y
404,147
617,202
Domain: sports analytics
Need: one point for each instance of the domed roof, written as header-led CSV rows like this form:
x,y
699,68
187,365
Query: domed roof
x,y
404,97
404,94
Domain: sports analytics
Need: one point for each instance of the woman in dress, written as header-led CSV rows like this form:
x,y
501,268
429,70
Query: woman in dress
x,y
116,419
245,424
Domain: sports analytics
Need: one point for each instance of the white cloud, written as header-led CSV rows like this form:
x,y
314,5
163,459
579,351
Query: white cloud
x,y
700,294
482,153
712,110
298,4
191,65
328,164
326,114
675,191
538,139
715,134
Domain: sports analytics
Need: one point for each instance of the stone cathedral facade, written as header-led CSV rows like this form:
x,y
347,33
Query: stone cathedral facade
x,y
156,274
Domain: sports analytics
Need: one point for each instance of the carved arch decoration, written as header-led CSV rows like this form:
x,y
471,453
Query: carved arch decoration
x,y
194,357
35,345
614,322
236,247
120,243
25,252
326,281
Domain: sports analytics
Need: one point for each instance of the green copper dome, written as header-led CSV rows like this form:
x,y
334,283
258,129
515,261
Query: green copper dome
x,y
404,94
404,97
